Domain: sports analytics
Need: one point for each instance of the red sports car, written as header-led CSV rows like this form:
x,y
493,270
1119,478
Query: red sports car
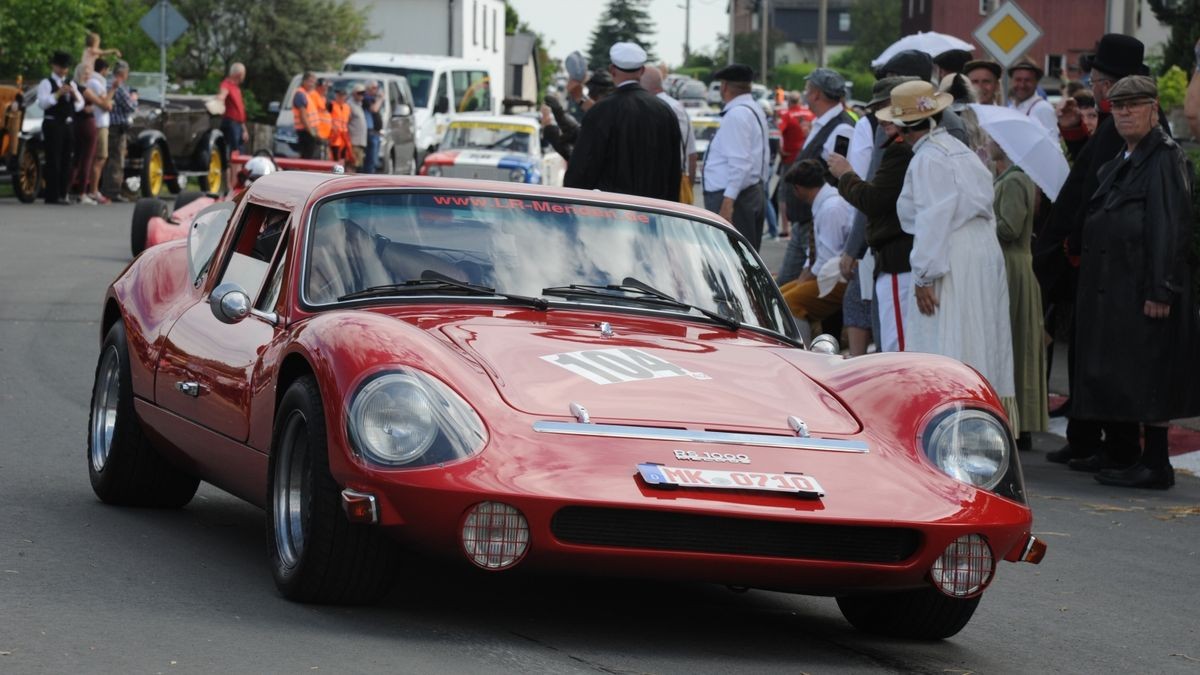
x,y
528,378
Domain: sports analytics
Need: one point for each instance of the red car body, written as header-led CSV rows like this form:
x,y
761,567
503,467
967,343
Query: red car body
x,y
887,514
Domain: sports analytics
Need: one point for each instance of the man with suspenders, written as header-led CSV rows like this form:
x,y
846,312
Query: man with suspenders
x,y
738,160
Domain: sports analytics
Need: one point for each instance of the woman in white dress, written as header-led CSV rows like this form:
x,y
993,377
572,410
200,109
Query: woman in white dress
x,y
959,306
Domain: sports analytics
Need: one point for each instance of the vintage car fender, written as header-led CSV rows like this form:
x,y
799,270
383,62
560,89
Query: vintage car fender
x,y
147,139
212,139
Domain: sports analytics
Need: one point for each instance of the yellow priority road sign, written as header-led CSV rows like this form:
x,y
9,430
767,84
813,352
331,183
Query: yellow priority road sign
x,y
1007,33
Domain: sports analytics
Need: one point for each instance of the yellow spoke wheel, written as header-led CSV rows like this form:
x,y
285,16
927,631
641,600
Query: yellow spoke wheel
x,y
152,178
215,171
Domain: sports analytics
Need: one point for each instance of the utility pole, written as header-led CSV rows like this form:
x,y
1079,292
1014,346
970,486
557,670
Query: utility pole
x,y
763,20
732,14
687,30
822,24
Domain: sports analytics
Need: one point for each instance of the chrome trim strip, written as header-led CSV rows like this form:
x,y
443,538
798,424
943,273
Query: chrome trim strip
x,y
688,436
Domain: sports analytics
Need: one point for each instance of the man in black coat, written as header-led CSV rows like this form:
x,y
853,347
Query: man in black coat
x,y
629,141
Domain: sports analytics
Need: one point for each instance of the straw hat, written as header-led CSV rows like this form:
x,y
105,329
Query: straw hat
x,y
912,101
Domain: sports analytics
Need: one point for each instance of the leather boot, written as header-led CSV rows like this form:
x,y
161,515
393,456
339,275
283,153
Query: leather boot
x,y
1139,476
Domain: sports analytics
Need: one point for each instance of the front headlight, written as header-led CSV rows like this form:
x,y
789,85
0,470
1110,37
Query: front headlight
x,y
434,170
517,175
410,419
970,445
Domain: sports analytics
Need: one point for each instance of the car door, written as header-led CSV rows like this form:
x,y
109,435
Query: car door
x,y
205,371
400,126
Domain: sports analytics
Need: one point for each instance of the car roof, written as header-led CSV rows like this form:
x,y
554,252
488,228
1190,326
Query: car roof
x,y
427,61
498,119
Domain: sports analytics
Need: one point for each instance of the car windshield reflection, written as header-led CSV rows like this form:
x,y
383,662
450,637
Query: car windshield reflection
x,y
521,246
488,136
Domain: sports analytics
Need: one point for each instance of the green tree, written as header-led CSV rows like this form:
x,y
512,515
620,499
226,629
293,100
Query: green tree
x,y
747,49
31,31
1183,16
622,21
876,26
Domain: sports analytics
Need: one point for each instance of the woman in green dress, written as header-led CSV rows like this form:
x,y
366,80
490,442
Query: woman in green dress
x,y
1016,197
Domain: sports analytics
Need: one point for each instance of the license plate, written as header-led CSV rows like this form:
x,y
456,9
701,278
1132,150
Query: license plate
x,y
794,483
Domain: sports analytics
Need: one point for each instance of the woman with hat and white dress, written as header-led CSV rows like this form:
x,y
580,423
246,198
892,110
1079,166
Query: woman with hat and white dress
x,y
959,306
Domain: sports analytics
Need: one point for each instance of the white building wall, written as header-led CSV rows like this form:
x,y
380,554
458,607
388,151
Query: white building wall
x,y
1145,26
480,23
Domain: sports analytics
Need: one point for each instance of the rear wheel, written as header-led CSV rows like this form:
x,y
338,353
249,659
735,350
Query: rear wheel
x,y
317,555
27,181
924,614
214,180
139,227
123,466
153,171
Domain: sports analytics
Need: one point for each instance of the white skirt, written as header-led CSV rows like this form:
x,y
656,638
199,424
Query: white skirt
x,y
971,322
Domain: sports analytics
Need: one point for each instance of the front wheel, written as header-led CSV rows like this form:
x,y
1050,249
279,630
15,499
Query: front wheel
x,y
27,181
213,181
924,614
124,468
317,555
153,171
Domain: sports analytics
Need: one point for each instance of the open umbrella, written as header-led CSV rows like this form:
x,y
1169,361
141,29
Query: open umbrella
x,y
931,43
1028,145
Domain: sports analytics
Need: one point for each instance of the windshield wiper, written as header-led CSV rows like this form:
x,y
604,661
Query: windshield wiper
x,y
433,280
649,295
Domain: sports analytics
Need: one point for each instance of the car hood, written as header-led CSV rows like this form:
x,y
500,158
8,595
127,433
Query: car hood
x,y
649,372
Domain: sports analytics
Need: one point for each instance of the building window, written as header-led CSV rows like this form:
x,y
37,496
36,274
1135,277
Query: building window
x,y
1054,65
985,7
495,36
844,22
485,31
475,23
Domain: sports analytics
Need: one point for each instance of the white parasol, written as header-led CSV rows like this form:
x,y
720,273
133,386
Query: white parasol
x,y
931,43
1028,145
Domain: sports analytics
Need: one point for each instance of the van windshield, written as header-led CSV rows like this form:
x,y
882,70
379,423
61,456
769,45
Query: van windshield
x,y
420,81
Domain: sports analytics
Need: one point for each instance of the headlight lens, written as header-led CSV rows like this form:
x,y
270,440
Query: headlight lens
x,y
434,170
517,175
411,419
970,445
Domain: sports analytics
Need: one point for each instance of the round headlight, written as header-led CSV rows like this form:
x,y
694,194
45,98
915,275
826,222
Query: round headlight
x,y
393,419
434,170
972,446
517,175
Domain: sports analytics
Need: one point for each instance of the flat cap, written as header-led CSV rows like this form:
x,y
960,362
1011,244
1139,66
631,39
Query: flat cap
x,y
735,72
882,91
627,56
909,62
1026,63
1133,86
987,64
828,82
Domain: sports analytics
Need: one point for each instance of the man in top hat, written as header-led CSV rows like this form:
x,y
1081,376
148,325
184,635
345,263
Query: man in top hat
x,y
1117,56
1024,76
951,61
61,100
985,77
629,141
738,161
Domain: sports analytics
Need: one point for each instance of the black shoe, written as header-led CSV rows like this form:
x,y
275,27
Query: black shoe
x,y
1139,476
1088,464
1063,455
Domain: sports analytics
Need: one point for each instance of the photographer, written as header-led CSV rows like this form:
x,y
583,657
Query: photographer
x,y
58,96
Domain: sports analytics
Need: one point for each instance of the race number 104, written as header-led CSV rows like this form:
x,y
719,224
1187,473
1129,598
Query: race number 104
x,y
693,456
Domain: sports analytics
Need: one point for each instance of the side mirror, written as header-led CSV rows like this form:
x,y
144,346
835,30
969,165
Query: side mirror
x,y
442,105
273,107
229,303
402,110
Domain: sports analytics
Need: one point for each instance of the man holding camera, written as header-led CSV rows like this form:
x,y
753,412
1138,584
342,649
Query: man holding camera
x,y
58,96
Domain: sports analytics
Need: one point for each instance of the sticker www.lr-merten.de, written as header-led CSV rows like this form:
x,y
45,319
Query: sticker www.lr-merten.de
x,y
624,364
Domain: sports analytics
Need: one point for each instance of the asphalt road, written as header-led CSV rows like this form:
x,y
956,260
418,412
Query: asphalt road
x,y
86,587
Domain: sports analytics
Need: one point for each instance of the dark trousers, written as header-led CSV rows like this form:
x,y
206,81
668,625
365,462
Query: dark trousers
x,y
371,160
59,146
232,131
748,211
85,153
308,144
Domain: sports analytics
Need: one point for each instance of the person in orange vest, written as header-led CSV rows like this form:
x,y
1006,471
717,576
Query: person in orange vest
x,y
324,120
339,136
304,117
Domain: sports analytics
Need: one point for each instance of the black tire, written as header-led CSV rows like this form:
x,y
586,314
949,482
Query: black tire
x,y
185,198
220,187
27,179
123,466
925,614
153,163
318,555
143,211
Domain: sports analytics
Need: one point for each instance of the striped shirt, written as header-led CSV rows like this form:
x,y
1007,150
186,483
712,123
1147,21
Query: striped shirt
x,y
123,107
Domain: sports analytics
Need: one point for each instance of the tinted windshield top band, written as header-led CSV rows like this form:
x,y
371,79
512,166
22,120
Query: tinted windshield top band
x,y
687,436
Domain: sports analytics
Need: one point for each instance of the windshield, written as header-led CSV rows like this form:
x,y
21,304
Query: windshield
x,y
705,131
489,136
419,80
521,246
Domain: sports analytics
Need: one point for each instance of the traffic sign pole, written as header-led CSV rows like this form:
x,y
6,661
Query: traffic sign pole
x,y
162,54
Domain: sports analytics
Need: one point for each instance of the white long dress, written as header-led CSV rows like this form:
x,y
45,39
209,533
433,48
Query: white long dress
x,y
946,204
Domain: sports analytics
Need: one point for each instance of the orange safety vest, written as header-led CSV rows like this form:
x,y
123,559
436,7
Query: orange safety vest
x,y
324,125
340,122
309,113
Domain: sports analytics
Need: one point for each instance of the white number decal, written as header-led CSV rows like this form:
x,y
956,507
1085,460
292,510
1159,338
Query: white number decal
x,y
613,366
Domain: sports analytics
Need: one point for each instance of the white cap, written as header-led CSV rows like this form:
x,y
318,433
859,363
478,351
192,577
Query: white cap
x,y
627,56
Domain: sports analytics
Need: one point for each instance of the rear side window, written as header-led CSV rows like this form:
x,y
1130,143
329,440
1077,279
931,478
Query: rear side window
x,y
473,91
204,236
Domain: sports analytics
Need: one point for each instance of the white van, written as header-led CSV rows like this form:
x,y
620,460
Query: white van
x,y
442,87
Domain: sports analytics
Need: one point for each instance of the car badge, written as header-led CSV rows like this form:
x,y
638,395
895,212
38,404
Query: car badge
x,y
605,329
798,425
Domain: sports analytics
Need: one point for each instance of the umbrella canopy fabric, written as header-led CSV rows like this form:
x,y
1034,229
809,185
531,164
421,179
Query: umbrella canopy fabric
x,y
1028,145
931,43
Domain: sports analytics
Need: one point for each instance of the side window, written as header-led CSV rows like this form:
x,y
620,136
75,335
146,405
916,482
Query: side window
x,y
204,236
270,293
394,94
472,90
443,92
258,238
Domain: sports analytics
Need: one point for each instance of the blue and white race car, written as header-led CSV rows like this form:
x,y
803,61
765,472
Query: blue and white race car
x,y
503,147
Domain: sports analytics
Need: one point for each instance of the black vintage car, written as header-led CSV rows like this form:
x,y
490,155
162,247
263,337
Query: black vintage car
x,y
169,144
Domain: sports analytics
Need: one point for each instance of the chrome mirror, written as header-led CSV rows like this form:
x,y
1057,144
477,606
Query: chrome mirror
x,y
825,344
229,303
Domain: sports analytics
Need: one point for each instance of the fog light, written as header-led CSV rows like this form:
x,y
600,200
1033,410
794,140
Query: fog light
x,y
494,535
965,567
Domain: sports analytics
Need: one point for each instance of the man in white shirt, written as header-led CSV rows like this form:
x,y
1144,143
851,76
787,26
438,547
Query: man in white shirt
x,y
817,293
1023,77
653,83
58,96
738,159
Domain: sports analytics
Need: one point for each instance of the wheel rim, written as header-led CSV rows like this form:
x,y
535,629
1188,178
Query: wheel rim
x,y
104,407
214,171
291,493
156,171
29,173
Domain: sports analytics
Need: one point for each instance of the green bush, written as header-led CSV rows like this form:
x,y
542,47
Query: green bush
x,y
791,76
697,72
1172,86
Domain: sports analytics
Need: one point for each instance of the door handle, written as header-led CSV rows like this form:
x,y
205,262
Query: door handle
x,y
188,388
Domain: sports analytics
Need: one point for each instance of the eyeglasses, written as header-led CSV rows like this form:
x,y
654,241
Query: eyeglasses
x,y
1102,80
1128,106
